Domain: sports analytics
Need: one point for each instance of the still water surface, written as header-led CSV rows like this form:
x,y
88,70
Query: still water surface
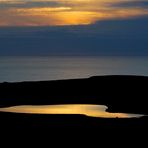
x,y
83,109
13,69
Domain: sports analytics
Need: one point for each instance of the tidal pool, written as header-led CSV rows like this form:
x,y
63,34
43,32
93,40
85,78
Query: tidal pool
x,y
83,109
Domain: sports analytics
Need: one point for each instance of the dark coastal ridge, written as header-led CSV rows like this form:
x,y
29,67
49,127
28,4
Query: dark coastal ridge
x,y
126,94
119,93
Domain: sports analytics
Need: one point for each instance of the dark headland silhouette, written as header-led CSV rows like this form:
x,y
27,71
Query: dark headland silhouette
x,y
127,94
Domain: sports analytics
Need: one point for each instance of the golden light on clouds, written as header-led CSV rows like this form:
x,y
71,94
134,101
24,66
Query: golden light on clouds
x,y
63,12
40,11
88,110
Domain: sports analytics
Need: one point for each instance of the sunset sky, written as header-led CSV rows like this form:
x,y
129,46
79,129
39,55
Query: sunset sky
x,y
80,27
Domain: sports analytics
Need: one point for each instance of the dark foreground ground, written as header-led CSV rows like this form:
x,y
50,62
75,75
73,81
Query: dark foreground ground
x,y
72,130
81,122
127,94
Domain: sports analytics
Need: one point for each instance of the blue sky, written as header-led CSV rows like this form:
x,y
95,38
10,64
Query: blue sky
x,y
73,27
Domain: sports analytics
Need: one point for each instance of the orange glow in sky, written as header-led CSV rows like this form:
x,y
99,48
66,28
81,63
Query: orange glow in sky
x,y
64,12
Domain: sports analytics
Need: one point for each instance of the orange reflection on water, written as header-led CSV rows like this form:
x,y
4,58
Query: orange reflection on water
x,y
88,110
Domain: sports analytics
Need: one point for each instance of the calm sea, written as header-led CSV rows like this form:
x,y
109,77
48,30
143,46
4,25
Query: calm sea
x,y
53,68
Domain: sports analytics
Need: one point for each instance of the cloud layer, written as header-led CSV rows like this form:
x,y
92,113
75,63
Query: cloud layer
x,y
109,37
67,12
73,27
